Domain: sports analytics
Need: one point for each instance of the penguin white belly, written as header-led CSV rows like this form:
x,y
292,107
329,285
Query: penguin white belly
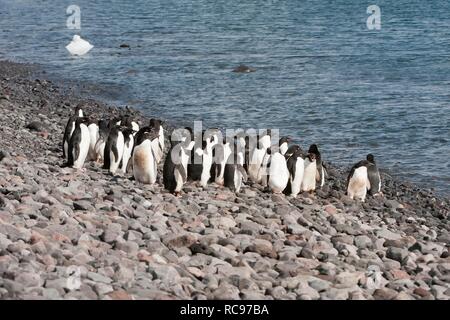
x,y
84,147
114,165
127,149
322,181
179,180
94,135
237,180
226,152
255,165
99,150
309,176
157,150
161,137
206,169
265,142
278,173
135,126
358,184
296,183
144,163
283,148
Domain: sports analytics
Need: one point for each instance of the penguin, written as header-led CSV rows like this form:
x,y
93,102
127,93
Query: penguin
x,y
263,171
296,167
321,172
94,135
257,156
221,154
144,160
127,149
78,148
358,181
374,176
309,173
202,158
158,125
70,127
103,132
235,174
175,165
113,152
195,165
278,177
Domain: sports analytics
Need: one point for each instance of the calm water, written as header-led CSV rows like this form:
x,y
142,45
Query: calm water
x,y
321,75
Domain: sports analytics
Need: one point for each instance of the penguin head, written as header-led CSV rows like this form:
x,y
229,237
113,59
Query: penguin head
x,y
284,140
370,158
314,149
293,150
311,156
155,123
79,110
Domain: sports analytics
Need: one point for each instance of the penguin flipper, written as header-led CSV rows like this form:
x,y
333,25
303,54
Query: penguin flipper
x,y
243,172
76,152
291,167
115,152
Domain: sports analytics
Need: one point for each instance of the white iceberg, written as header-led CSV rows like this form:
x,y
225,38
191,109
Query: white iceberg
x,y
79,46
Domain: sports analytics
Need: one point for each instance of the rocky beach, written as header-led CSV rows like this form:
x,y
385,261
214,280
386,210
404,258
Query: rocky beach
x,y
85,234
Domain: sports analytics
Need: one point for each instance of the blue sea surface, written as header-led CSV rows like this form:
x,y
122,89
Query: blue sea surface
x,y
322,76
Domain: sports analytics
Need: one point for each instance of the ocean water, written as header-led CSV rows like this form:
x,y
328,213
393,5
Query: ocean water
x,y
322,76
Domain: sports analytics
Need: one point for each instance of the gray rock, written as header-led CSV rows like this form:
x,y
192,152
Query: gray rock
x,y
396,254
363,242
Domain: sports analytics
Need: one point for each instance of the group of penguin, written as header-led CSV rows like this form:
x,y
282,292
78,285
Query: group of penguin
x,y
124,147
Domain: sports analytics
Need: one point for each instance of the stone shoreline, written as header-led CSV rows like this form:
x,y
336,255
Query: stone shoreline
x,y
68,234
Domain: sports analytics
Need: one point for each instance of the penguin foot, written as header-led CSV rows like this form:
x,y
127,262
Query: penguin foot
x,y
177,194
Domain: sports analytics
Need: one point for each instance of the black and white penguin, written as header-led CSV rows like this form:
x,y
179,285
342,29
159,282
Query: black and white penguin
x,y
94,135
114,149
358,181
70,127
195,164
235,174
296,167
175,165
144,160
278,173
310,173
128,136
202,158
321,171
258,155
374,176
158,125
221,153
103,132
78,148
364,177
